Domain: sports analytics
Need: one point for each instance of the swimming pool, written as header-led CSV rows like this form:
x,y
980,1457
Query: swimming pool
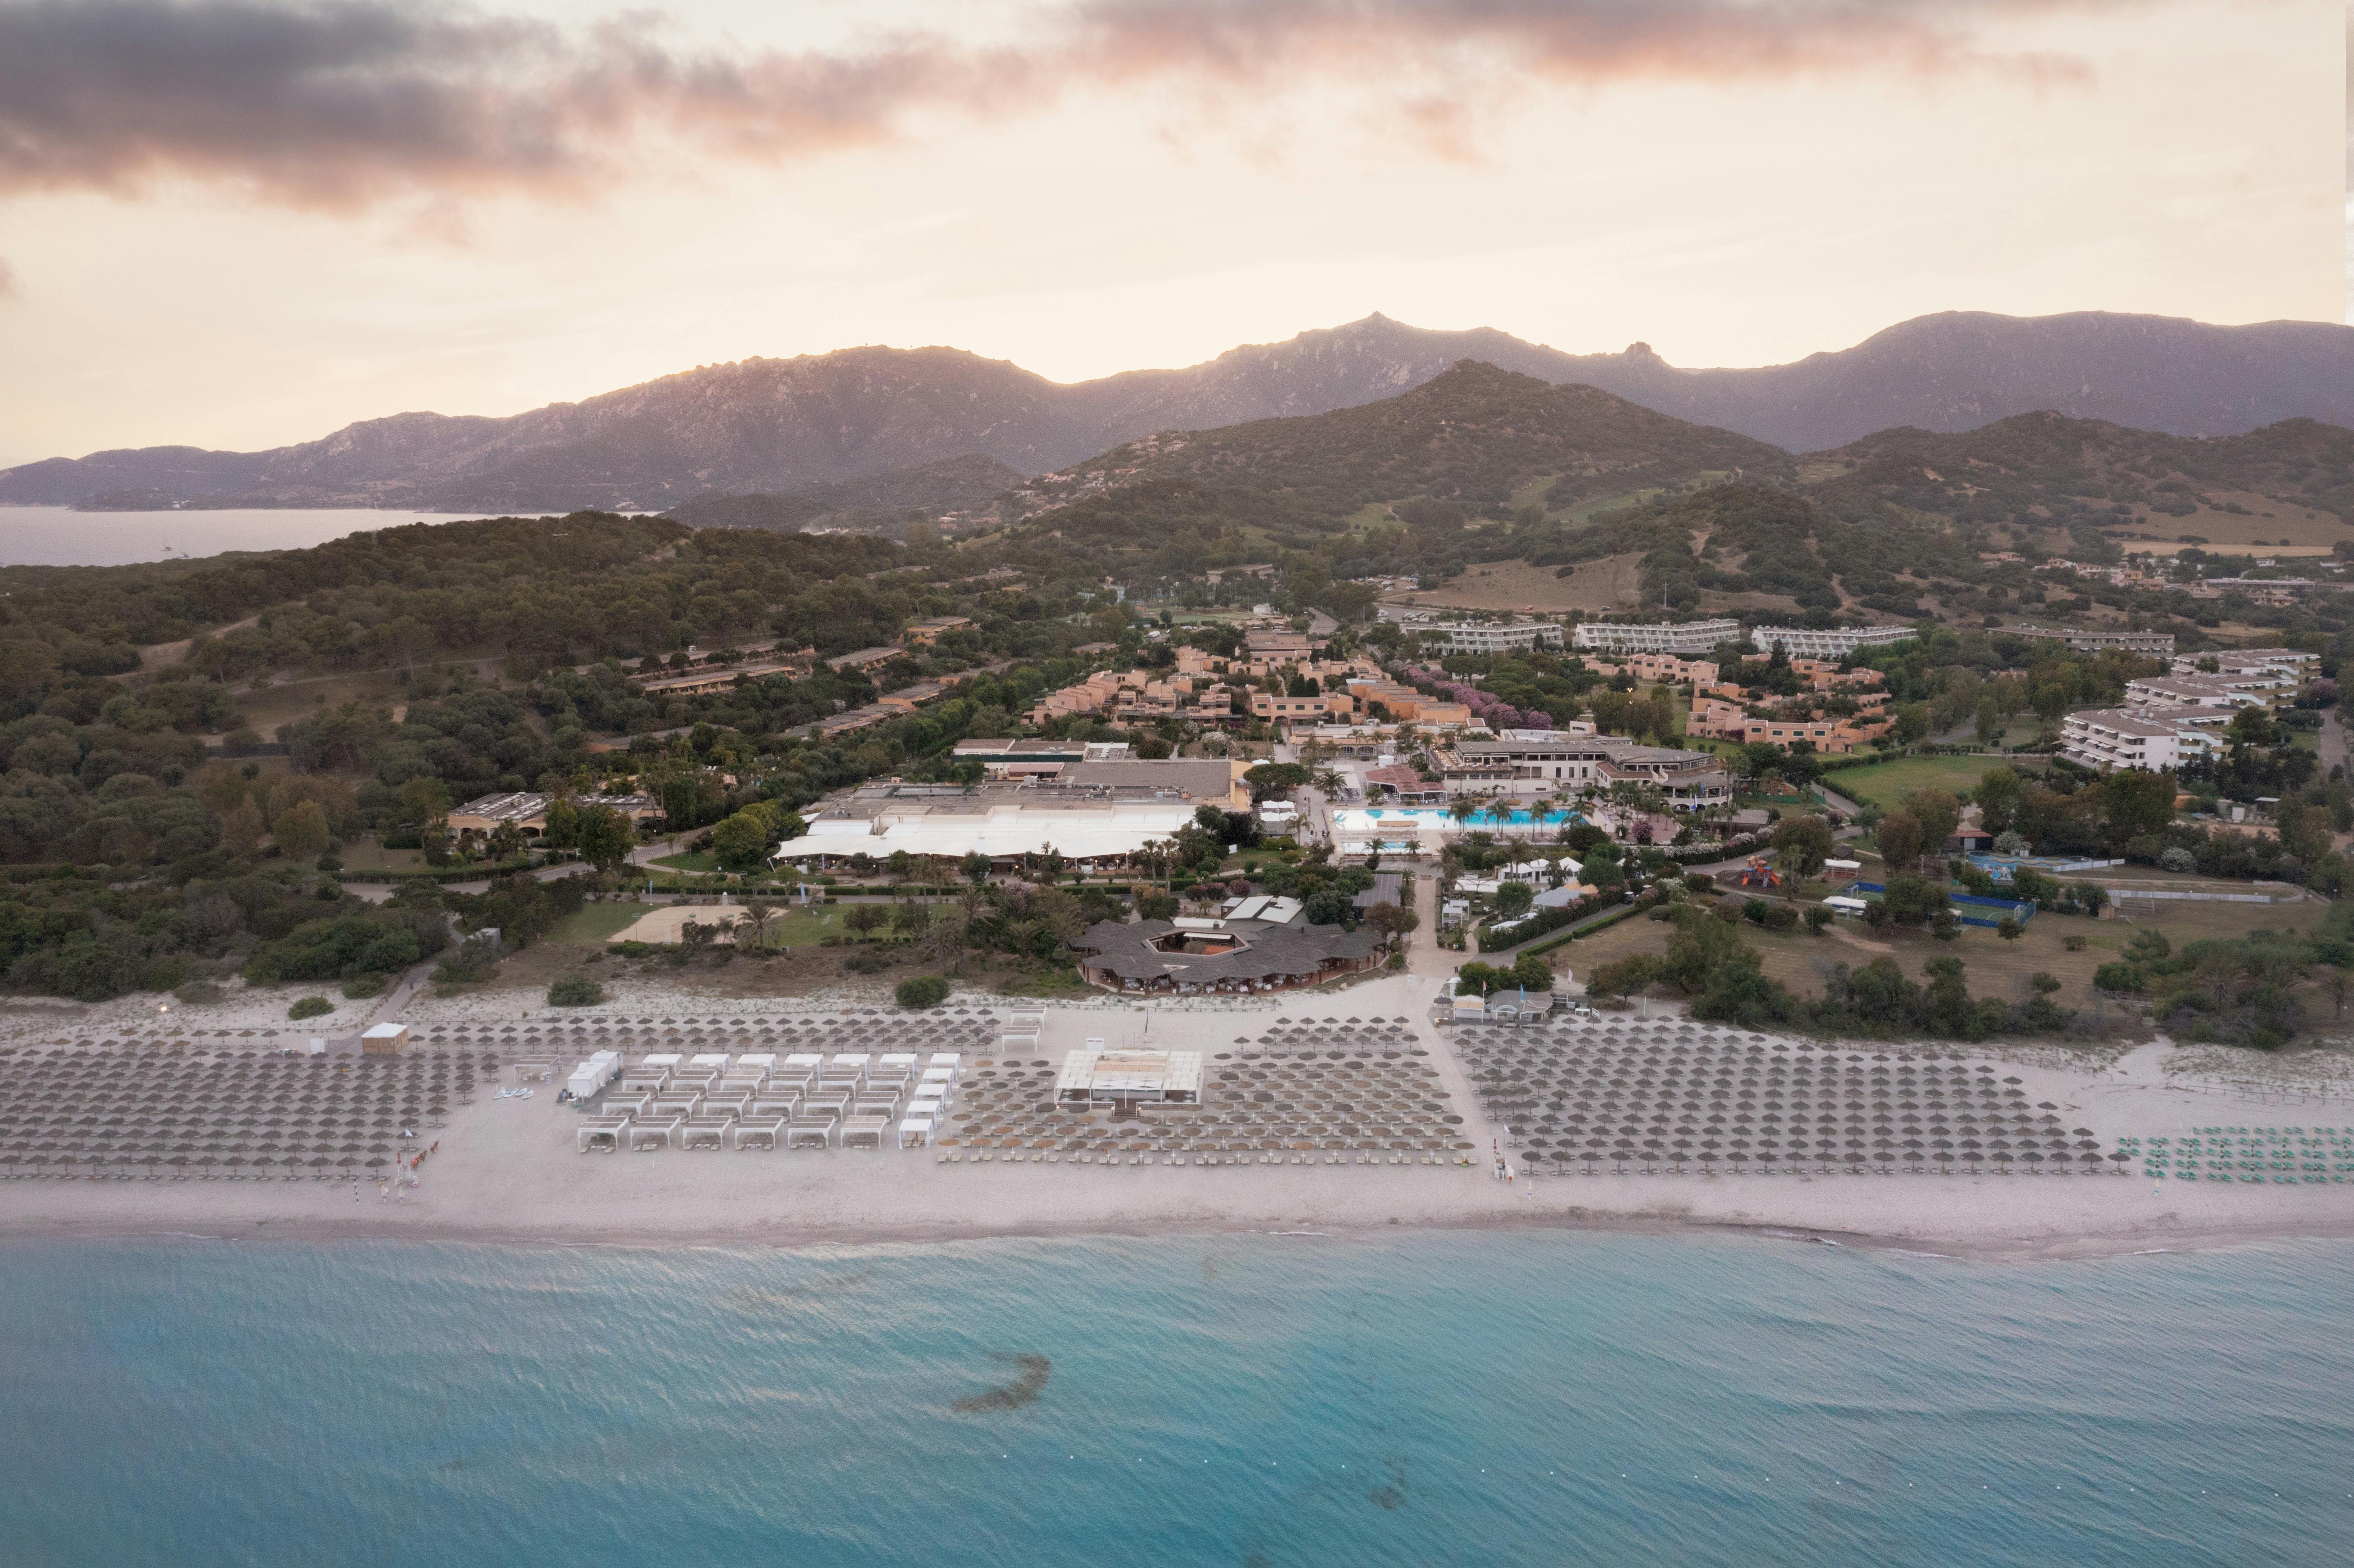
x,y
1393,819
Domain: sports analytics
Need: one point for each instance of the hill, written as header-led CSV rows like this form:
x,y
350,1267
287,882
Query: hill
x,y
2048,470
775,426
1472,436
967,484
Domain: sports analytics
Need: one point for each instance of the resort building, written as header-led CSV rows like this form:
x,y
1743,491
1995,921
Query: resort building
x,y
1088,813
2286,664
2156,738
1404,780
1320,709
1534,763
1214,957
934,628
1630,637
2099,641
1800,641
1137,1080
1512,637
2248,691
528,811
1032,758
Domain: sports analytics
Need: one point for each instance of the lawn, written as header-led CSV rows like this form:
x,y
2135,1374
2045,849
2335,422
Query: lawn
x,y
1885,784
694,863
591,924
369,855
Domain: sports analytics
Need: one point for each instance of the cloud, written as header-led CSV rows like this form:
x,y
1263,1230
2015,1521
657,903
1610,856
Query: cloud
x,y
340,104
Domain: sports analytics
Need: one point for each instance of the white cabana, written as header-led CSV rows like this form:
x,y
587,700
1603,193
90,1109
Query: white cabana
x,y
916,1132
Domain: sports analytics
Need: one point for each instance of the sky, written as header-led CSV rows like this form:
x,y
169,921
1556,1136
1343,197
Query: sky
x,y
237,224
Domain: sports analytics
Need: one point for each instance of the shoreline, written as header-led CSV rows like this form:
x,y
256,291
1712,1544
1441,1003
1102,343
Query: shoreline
x,y
2130,1239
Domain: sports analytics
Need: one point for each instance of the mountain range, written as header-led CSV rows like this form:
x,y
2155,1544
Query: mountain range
x,y
789,425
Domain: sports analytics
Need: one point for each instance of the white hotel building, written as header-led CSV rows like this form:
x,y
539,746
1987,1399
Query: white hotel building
x,y
2153,738
1684,637
1800,643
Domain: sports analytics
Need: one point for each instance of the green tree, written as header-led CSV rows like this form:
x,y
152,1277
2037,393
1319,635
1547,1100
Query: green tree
x,y
1801,844
1996,795
605,837
1513,899
1900,837
1912,899
920,992
302,832
863,918
975,867
1625,976
1938,813
2136,802
425,801
741,841
1700,946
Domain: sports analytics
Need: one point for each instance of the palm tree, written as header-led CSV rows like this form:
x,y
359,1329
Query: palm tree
x,y
1464,809
1328,781
758,918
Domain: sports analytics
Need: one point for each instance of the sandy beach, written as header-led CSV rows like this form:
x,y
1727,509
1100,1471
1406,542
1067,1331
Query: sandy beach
x,y
506,1168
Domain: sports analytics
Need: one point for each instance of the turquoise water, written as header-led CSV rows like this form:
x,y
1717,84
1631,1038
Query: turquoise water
x,y
1357,818
1505,1399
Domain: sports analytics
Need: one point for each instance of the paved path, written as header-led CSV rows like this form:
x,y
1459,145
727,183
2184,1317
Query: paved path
x,y
2329,746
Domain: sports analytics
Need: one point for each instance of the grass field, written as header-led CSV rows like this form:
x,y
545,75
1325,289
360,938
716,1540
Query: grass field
x,y
369,855
1993,967
694,863
1518,586
1885,784
591,923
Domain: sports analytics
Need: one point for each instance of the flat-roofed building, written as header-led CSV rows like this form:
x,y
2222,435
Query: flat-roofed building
x,y
1129,1078
2095,640
1686,638
1088,811
1022,759
1805,641
2155,738
933,628
1510,637
2200,691
528,811
1533,763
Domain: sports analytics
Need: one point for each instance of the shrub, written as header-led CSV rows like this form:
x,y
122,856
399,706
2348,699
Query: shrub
x,y
359,987
2120,977
574,990
1818,916
921,991
1699,881
311,1006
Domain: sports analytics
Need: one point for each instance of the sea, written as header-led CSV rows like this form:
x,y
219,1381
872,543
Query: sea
x,y
1511,1399
60,536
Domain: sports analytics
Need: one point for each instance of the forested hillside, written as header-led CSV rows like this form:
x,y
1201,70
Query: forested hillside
x,y
2044,469
1472,436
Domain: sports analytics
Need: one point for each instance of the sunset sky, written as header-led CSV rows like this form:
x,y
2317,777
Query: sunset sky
x,y
241,223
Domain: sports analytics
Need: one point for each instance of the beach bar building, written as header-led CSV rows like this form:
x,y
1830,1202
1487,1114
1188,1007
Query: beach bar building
x,y
1129,1079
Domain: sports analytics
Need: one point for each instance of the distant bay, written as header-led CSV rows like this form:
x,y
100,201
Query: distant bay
x,y
61,536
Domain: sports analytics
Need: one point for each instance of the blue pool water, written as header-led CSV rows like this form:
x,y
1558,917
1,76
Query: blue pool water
x,y
1525,1398
1366,819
